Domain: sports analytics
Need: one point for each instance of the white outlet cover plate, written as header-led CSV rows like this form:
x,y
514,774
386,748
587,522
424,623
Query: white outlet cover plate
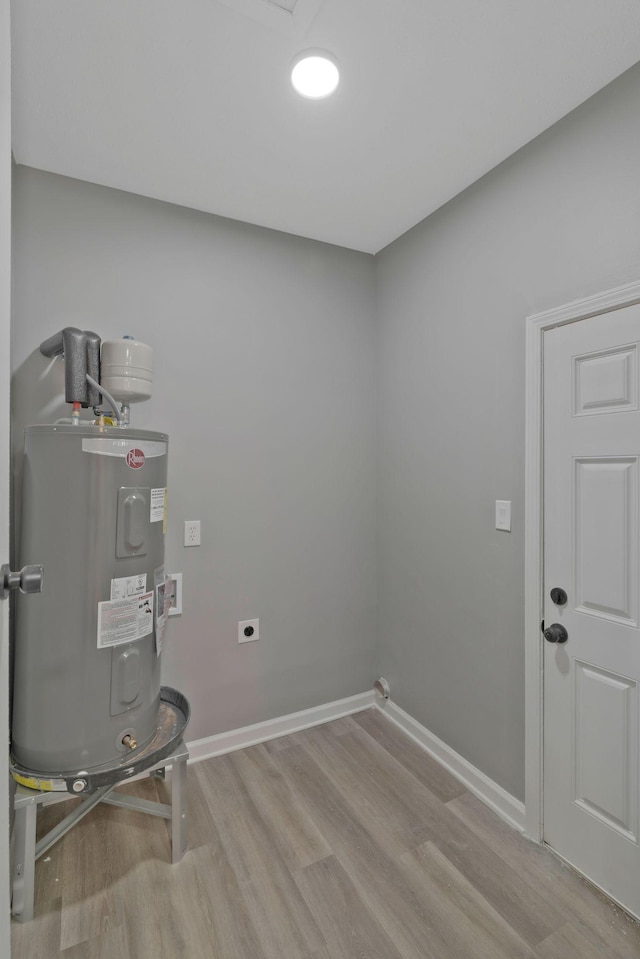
x,y
192,532
255,623
503,514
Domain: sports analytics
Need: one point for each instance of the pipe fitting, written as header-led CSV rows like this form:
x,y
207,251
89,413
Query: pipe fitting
x,y
381,687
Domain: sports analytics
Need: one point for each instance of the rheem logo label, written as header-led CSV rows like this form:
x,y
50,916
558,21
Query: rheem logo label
x,y
135,459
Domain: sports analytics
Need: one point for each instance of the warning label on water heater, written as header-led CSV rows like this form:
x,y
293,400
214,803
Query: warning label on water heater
x,y
125,620
158,504
127,586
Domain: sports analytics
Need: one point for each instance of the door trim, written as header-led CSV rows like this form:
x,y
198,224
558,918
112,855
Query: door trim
x,y
537,325
5,329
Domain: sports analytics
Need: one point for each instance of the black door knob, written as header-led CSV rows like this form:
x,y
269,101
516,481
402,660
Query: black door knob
x,y
556,633
558,596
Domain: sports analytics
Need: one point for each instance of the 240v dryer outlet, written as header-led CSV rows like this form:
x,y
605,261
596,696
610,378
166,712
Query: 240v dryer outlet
x,y
248,631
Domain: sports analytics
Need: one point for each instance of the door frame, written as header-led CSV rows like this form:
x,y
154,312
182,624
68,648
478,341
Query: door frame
x,y
537,325
5,318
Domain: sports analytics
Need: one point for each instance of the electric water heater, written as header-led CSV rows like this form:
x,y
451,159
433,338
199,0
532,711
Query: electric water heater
x,y
86,669
86,662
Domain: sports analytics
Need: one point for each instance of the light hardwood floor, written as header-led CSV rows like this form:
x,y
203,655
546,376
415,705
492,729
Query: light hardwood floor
x,y
345,841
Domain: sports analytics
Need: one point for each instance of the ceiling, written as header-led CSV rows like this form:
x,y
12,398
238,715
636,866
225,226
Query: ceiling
x,y
189,101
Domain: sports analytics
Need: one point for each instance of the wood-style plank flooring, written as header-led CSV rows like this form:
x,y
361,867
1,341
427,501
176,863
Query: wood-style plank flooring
x,y
345,841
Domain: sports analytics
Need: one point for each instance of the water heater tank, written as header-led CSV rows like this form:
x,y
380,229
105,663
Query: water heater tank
x,y
86,665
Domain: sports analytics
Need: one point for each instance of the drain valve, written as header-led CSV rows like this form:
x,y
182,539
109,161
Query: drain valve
x,y
129,741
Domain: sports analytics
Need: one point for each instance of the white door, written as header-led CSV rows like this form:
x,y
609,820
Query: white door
x,y
5,247
591,534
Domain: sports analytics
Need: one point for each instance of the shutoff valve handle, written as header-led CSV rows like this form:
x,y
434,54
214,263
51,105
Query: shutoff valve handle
x,y
27,580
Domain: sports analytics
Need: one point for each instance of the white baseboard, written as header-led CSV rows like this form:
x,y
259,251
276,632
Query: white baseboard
x,y
503,803
281,726
497,798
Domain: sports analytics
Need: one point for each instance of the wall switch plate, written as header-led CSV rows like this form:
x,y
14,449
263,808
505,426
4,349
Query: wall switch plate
x,y
503,514
174,585
192,532
248,630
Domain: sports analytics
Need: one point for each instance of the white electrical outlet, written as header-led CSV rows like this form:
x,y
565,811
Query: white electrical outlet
x,y
248,631
174,585
192,532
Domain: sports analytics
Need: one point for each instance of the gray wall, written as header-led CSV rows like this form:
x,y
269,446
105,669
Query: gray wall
x,y
264,379
267,378
558,221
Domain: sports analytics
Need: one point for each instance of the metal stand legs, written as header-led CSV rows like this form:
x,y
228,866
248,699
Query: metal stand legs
x,y
24,864
26,802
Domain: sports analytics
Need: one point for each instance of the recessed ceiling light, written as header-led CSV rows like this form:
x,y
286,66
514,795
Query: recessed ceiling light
x,y
314,74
